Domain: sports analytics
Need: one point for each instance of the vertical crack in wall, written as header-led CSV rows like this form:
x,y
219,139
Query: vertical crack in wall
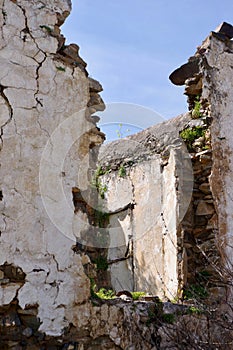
x,y
24,33
27,244
43,284
38,82
2,88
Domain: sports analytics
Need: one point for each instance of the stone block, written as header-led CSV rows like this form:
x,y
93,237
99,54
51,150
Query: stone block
x,y
205,188
186,71
204,208
226,29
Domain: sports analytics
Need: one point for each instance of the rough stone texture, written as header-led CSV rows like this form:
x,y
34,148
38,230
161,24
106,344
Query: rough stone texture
x,y
225,29
187,70
218,78
44,288
143,145
211,238
48,139
203,240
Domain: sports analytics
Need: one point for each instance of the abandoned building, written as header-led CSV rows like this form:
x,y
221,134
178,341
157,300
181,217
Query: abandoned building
x,y
150,213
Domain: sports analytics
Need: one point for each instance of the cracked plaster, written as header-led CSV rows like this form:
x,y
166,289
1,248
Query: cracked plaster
x,y
35,98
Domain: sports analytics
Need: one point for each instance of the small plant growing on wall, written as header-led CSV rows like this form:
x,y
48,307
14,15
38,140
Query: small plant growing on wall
x,y
168,318
194,310
122,171
196,112
102,189
101,217
47,28
101,263
195,291
106,294
121,132
96,183
61,69
137,295
102,293
189,135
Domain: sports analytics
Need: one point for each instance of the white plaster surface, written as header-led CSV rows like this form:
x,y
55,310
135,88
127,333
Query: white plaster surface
x,y
36,98
145,233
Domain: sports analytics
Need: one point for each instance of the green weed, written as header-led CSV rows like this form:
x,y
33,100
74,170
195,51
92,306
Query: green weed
x,y
96,183
93,288
101,263
197,107
189,135
101,218
106,294
122,171
168,318
194,310
61,69
49,30
195,291
137,295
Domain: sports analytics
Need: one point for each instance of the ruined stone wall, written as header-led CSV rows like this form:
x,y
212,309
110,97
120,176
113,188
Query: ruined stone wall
x,y
55,226
147,180
193,251
207,225
43,83
49,142
217,88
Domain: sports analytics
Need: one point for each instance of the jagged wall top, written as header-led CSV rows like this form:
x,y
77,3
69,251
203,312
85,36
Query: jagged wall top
x,y
33,19
223,32
43,83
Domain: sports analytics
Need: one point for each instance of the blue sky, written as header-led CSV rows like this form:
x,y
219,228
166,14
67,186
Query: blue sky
x,y
131,46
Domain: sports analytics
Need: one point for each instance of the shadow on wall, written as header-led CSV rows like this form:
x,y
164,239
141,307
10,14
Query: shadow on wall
x,y
120,255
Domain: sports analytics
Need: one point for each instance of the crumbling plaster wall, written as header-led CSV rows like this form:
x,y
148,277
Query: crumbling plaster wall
x,y
149,186
201,241
44,291
44,95
144,229
42,84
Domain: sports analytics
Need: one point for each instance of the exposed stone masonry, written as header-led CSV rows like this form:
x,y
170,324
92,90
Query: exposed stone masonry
x,y
51,225
200,244
202,237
